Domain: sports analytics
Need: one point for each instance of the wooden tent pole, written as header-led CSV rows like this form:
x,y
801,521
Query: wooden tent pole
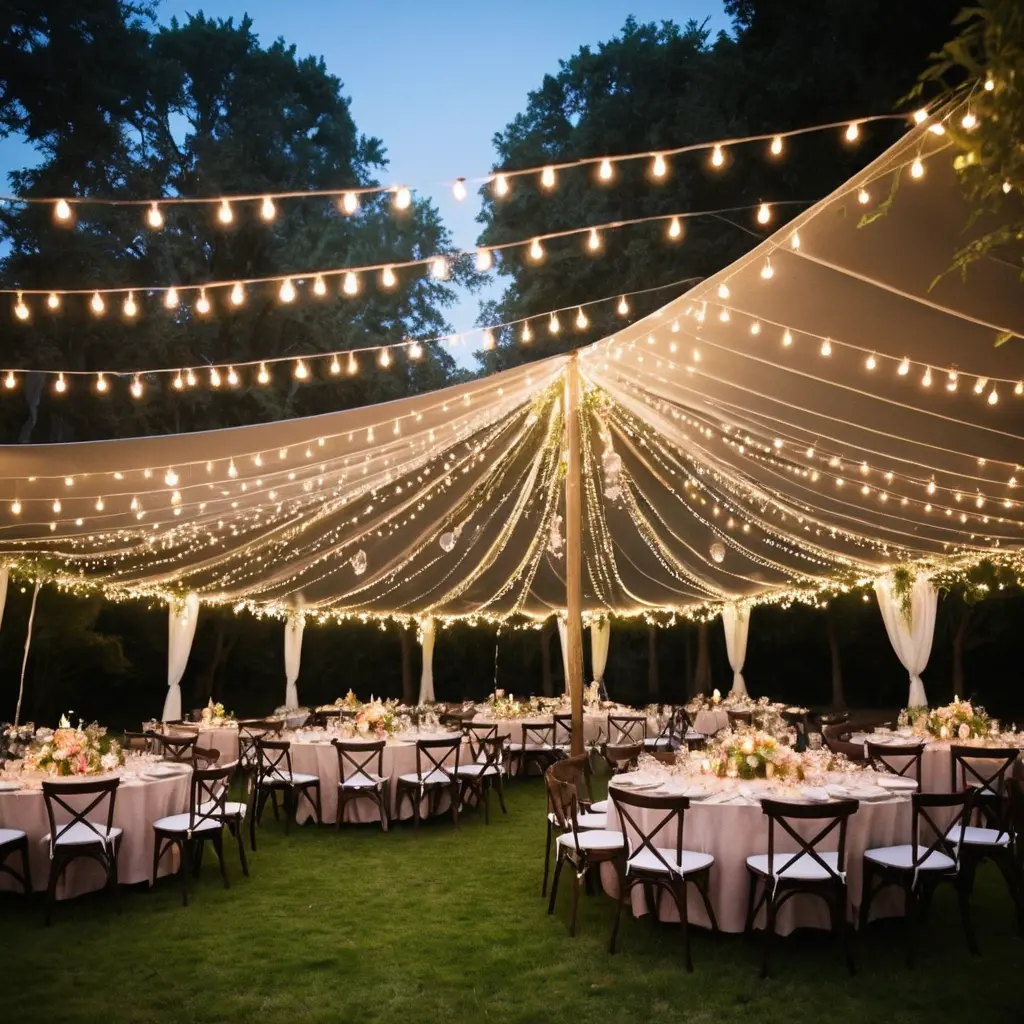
x,y
574,554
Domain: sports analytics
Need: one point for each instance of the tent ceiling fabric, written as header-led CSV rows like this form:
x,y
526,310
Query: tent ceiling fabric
x,y
720,462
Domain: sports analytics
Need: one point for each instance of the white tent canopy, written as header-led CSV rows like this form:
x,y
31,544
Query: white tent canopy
x,y
814,411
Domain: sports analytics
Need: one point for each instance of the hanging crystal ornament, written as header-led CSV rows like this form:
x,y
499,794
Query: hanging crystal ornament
x,y
555,536
358,561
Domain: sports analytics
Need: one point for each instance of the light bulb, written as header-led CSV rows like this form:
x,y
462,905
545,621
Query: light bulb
x,y
414,350
171,298
554,326
1019,388
593,240
826,347
863,196
488,340
319,287
237,294
62,211
917,168
301,370
171,478
136,387
724,316
267,209
224,214
500,186
852,132
547,177
232,469
979,385
129,308
675,228
717,157
459,189
176,498
232,376
776,146
214,377
993,397
350,203
659,167
10,381
623,307
20,309
968,121
767,271
926,380
353,366
581,319
178,382
263,377
764,214
787,338
154,218
755,327
385,358
536,250
871,362
439,268
97,304
99,504
937,129
403,198
794,240
952,381
202,303
920,116
387,278
527,334
350,283
16,507
56,505
605,170
101,383
723,291
53,301
904,368
484,259
287,291
190,378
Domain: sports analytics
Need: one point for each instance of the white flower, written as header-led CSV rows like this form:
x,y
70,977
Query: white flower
x,y
964,732
60,755
108,761
752,760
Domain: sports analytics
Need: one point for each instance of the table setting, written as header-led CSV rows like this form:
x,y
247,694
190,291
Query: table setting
x,y
710,715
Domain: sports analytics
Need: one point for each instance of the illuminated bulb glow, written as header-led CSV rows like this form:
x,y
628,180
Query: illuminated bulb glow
x,y
171,298
904,368
826,348
267,209
623,307
993,397
605,170
863,196
263,377
171,478
776,147
593,240
61,210
232,376
527,334
335,365
232,469
717,157
917,168
852,132
553,324
154,218
787,338
459,189
129,308
415,349
9,380
488,341
16,508
658,168
214,377
403,198
179,382
581,319
764,214
871,362
439,268
675,228
968,121
101,383
387,277
224,214
350,285
350,203
20,309
484,260
767,271
794,240
500,186
287,291
385,358
952,381
97,304
202,303
190,378
926,380
56,505
353,366
136,387
547,177
920,116
755,327
99,504
536,250
301,370
723,291
53,301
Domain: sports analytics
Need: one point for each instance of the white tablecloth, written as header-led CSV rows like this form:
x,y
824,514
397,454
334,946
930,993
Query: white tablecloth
x,y
710,721
595,725
138,803
732,832
221,738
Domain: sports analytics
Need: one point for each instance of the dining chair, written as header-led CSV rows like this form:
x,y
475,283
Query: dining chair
x,y
903,759
622,757
809,869
626,730
274,775
15,841
361,777
175,747
203,822
205,757
669,735
485,773
141,742
660,867
563,732
918,869
437,773
77,836
740,718
536,748
574,771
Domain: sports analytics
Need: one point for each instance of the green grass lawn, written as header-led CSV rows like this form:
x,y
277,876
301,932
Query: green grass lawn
x,y
450,926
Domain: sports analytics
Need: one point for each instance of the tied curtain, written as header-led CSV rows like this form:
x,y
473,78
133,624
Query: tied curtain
x,y
428,630
293,629
736,620
911,640
181,628
563,639
4,576
600,636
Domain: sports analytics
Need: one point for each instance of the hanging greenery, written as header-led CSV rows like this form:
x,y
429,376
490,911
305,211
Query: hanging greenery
x,y
903,579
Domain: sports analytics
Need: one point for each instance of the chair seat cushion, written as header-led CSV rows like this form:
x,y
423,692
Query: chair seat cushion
x,y
599,807
232,808
597,839
362,781
903,857
179,823
280,777
804,869
475,770
432,778
10,835
80,834
533,748
689,861
658,743
975,836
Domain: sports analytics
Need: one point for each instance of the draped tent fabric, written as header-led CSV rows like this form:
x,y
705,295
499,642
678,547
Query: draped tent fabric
x,y
736,621
825,408
912,641
427,630
563,643
5,573
181,629
600,637
294,627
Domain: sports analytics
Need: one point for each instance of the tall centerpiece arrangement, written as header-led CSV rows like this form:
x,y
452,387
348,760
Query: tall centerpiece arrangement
x,y
215,717
67,750
377,718
960,720
752,754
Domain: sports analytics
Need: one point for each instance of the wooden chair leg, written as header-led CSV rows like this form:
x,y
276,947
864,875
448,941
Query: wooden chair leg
x,y
241,847
547,860
559,861
218,846
575,901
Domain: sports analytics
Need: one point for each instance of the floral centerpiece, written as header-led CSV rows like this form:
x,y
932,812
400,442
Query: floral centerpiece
x,y
752,754
15,741
500,705
592,694
215,717
350,702
85,750
378,718
960,720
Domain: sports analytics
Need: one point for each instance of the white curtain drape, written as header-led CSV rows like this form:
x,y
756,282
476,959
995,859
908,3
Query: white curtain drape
x,y
736,620
428,631
563,639
600,635
181,628
4,575
911,641
293,630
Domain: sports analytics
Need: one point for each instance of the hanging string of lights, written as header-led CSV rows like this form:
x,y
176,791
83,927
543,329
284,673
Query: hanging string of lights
x,y
350,198
328,365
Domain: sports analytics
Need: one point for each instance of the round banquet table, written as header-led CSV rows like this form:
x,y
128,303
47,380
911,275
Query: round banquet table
x,y
595,725
708,721
732,832
313,753
137,804
223,738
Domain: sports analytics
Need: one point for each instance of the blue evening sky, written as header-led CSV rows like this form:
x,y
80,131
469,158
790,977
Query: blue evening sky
x,y
435,81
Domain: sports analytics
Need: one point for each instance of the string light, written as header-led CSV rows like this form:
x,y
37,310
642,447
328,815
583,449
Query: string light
x,y
62,211
53,301
9,381
904,368
623,307
675,228
593,240
99,504
267,209
554,326
1018,388
764,214
926,380
129,308
353,365
484,260
20,309
863,196
287,291
403,198
96,304
232,377
202,303
488,341
993,397
16,507
776,147
547,177
723,291
527,334
154,218
350,284
171,298
787,338
968,121
415,349
387,278
178,382
979,385
350,203
214,377
605,170
951,382
439,268
794,240
232,469
385,358
581,319
224,214
459,189
658,168
536,250
319,287
717,157
767,271
852,132
335,365
301,370
500,186
136,387
917,168
56,506
755,327
190,378
101,383
871,362
920,116
263,377
826,348
171,478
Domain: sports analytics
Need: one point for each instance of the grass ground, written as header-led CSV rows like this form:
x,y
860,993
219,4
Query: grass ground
x,y
449,926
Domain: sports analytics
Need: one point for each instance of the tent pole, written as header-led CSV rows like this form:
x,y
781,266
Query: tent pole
x,y
574,554
28,644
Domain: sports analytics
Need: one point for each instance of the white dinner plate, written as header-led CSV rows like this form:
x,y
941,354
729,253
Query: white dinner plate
x,y
9,787
896,783
635,782
814,794
160,773
869,793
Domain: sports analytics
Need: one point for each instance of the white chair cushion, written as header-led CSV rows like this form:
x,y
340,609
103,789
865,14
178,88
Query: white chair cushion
x,y
903,857
432,778
805,869
585,821
598,839
81,834
362,781
232,808
689,861
975,836
478,769
179,823
280,775
10,835
533,747
599,807
658,744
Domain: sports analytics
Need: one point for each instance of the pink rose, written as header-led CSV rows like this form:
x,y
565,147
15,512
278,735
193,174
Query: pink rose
x,y
964,732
